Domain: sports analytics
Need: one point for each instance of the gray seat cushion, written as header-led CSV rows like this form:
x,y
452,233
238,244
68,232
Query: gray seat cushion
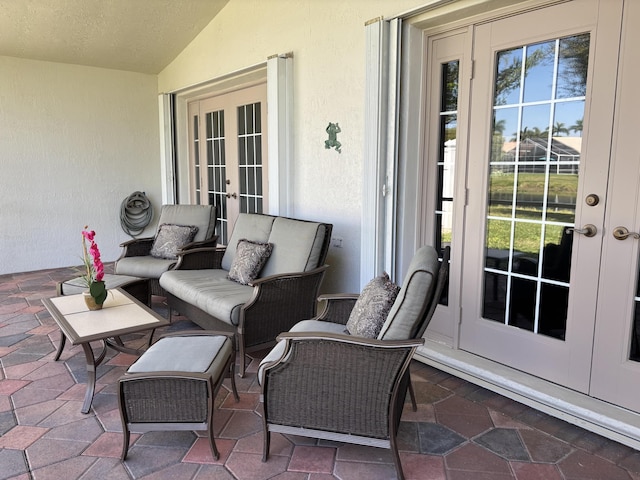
x,y
414,296
147,266
184,354
78,285
303,326
209,290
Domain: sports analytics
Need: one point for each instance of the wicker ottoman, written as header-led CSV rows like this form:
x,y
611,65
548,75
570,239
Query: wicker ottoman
x,y
135,286
173,385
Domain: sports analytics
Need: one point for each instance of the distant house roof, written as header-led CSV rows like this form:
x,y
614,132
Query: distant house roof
x,y
562,148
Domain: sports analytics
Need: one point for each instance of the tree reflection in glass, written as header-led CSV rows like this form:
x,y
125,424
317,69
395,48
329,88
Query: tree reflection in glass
x,y
536,143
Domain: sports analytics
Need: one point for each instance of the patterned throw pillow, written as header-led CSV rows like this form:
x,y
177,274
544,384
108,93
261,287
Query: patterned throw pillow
x,y
372,307
172,238
249,260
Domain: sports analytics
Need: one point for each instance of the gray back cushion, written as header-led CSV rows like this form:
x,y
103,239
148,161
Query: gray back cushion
x,y
297,246
201,216
255,228
414,297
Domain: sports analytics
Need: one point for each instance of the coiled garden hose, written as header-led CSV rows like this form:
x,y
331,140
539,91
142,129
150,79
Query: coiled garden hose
x,y
136,212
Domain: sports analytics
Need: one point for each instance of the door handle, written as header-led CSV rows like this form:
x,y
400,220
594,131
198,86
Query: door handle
x,y
621,233
589,230
231,195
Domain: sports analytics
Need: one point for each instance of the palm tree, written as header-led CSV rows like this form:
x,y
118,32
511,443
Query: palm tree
x,y
499,126
577,127
498,140
559,129
533,132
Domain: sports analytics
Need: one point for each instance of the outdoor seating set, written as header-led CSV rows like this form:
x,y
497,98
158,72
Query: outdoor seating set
x,y
342,375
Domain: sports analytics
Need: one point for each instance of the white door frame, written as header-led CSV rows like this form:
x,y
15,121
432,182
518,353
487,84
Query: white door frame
x,y
278,72
378,235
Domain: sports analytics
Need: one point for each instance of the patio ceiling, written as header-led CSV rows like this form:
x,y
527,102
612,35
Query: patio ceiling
x,y
139,36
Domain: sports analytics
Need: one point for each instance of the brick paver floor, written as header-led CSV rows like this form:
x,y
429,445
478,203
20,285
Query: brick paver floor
x,y
460,431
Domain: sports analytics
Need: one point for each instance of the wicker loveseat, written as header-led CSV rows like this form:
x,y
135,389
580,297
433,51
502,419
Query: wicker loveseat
x,y
284,293
322,382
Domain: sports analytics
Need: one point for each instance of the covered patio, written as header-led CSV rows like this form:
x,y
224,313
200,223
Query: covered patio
x,y
460,431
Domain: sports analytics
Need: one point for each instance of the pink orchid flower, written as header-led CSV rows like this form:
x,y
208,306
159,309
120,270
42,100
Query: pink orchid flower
x,y
95,268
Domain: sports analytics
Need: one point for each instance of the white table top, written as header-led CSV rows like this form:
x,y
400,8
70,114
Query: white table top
x,y
120,314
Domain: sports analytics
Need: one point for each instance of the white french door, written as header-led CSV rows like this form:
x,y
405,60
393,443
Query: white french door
x,y
616,357
228,154
545,287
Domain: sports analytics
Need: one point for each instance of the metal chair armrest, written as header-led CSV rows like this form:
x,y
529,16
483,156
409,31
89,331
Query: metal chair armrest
x,y
336,308
136,247
199,258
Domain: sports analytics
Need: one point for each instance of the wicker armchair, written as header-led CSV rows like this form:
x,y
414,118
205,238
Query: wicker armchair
x,y
319,382
136,259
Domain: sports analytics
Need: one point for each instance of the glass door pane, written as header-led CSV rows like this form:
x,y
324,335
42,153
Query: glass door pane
x,y
448,127
250,158
536,142
634,352
196,159
217,169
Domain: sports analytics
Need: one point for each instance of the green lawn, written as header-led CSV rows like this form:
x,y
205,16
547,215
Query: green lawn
x,y
533,184
531,188
527,235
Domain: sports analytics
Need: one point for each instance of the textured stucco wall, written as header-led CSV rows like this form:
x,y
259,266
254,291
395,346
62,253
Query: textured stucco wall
x,y
327,39
74,141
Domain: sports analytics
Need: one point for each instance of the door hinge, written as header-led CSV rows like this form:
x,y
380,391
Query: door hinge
x,y
473,69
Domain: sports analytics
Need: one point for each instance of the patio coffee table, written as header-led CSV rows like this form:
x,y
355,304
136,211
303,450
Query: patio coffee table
x,y
120,315
136,286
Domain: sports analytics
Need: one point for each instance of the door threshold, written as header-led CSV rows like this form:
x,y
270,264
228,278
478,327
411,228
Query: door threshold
x,y
594,415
